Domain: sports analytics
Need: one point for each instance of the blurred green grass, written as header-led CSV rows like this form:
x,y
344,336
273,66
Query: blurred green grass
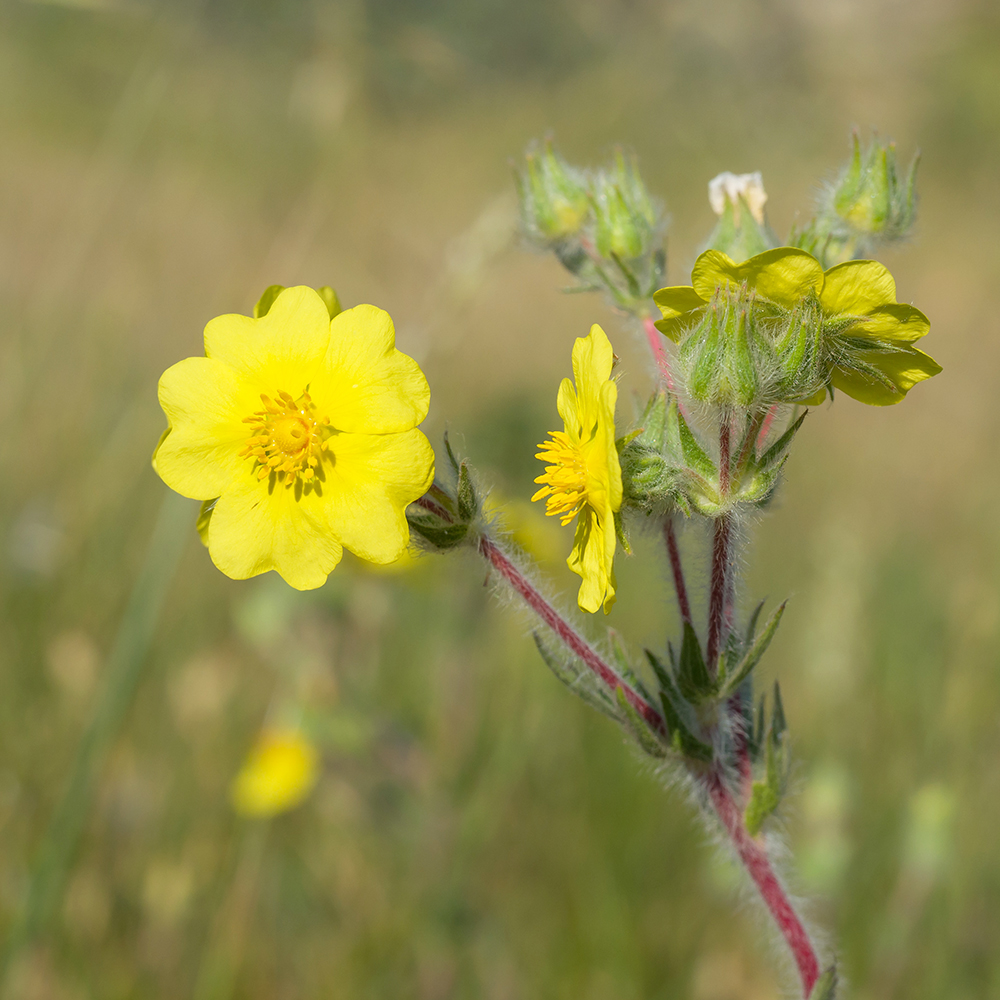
x,y
477,833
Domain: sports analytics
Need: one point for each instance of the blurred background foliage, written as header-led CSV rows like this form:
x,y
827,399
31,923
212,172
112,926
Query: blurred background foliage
x,y
476,832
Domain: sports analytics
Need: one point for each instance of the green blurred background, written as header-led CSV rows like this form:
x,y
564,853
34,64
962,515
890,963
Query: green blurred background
x,y
477,832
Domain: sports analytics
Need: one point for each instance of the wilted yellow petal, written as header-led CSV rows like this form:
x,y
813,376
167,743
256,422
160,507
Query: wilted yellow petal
x,y
904,369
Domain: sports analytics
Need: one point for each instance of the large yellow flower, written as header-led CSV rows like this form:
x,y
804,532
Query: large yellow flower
x,y
868,336
302,429
585,477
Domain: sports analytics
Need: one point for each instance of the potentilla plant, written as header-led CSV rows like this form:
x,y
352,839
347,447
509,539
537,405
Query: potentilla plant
x,y
298,431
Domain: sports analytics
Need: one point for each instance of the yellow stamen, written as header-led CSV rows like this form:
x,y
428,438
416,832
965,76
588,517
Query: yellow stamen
x,y
286,438
565,480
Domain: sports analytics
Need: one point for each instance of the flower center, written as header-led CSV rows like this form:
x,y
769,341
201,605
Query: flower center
x,y
286,438
565,479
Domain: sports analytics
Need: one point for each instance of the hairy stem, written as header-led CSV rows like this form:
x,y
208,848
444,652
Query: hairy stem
x,y
680,588
721,539
655,339
569,637
758,866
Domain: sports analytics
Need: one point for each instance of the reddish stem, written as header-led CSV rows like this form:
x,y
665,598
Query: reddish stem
x,y
566,633
766,426
670,534
655,339
720,554
758,866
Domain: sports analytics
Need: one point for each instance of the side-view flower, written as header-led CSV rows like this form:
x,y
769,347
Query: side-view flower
x,y
584,475
298,431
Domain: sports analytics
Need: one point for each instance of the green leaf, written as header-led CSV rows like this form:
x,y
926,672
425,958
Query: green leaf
x,y
265,302
594,697
645,736
778,723
468,504
756,740
622,661
753,655
763,802
826,985
436,532
693,677
680,717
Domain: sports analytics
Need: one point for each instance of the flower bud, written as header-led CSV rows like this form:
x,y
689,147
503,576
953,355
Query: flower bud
x,y
625,217
718,356
554,203
802,368
742,231
870,198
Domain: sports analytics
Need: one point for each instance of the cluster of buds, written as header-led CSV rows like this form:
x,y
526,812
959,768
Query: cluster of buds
x,y
602,224
742,230
869,206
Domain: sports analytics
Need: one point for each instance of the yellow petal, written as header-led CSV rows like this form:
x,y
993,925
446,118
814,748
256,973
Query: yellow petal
x,y
680,305
592,559
255,528
903,368
205,403
366,385
783,275
856,287
900,324
569,408
593,360
372,480
609,397
282,350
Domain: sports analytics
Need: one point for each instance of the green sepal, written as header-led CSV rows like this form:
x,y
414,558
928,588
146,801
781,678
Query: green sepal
x,y
625,439
329,296
204,519
693,678
437,533
644,736
753,655
451,454
778,723
620,533
694,454
654,421
779,449
825,987
594,697
468,503
265,302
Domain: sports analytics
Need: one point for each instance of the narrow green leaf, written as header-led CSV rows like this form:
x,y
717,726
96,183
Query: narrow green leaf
x,y
594,697
763,802
468,504
645,736
693,677
753,655
778,723
451,454
826,985
752,623
681,720
777,451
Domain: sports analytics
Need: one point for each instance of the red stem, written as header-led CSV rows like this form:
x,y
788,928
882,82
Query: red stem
x,y
758,866
566,633
670,534
655,339
720,555
751,854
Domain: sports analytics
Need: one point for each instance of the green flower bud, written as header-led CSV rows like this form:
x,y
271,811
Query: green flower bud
x,y
625,217
719,355
802,369
870,198
554,202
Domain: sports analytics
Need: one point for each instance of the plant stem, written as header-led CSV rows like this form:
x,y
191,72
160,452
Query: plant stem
x,y
670,534
569,637
655,339
759,868
721,539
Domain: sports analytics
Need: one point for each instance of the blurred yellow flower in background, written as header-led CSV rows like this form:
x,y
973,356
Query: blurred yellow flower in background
x,y
584,477
299,429
279,773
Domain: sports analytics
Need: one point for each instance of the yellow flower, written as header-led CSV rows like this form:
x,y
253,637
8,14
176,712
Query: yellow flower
x,y
302,430
278,774
868,336
584,477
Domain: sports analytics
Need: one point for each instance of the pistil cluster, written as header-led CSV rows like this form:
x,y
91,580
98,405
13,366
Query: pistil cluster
x,y
287,438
